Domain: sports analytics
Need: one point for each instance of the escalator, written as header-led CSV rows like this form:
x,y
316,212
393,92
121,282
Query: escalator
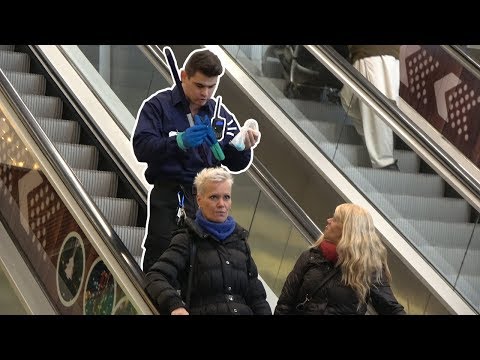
x,y
56,231
313,181
84,251
276,241
432,205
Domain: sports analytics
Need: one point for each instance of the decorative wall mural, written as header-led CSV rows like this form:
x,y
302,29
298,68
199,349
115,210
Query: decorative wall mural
x,y
444,93
55,247
124,307
70,269
100,289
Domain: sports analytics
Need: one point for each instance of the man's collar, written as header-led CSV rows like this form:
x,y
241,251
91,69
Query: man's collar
x,y
176,96
209,107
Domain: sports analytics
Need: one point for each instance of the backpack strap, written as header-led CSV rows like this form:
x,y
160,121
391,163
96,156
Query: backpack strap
x,y
308,297
249,258
193,255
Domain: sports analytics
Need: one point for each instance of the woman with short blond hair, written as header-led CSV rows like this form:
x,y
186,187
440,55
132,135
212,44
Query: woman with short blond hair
x,y
225,279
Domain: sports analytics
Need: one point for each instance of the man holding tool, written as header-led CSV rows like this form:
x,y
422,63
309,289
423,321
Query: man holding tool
x,y
175,137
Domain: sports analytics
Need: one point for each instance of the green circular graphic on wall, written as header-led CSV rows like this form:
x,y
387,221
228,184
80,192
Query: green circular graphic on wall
x,y
70,269
99,294
124,307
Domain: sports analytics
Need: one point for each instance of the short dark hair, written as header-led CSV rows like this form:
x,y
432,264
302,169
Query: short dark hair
x,y
204,61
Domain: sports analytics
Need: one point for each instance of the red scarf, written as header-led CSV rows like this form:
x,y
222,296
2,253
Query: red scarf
x,y
329,251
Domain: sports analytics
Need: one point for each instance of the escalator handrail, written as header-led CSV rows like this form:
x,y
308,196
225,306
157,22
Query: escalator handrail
x,y
93,214
380,102
156,57
296,212
465,60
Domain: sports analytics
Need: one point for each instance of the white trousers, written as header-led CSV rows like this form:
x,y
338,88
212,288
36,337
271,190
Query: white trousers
x,y
383,72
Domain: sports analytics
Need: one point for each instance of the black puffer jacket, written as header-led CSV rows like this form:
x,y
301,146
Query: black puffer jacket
x,y
333,298
225,279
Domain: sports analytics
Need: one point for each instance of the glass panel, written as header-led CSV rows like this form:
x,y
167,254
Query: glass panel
x,y
271,234
469,280
9,302
296,244
428,212
63,259
274,241
268,236
127,71
473,51
245,195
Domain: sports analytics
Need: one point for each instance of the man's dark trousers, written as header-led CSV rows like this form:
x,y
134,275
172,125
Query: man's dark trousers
x,y
163,218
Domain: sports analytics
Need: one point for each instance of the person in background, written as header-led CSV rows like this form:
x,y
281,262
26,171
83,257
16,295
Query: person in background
x,y
225,278
380,65
342,271
176,151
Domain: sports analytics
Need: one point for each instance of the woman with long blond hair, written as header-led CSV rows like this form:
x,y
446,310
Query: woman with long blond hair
x,y
342,271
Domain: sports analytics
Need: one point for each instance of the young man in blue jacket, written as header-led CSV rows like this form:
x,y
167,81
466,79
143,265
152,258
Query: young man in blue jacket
x,y
176,150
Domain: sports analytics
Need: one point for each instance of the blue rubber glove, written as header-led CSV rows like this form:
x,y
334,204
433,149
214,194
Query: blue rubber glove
x,y
212,141
192,137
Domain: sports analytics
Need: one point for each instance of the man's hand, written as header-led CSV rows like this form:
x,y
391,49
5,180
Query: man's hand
x,y
180,311
194,136
212,141
251,138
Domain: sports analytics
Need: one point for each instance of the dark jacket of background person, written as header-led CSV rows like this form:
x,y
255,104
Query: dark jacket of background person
x,y
225,279
363,51
333,298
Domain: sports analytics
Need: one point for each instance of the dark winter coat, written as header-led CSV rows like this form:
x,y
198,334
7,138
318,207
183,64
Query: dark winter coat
x,y
225,279
334,298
